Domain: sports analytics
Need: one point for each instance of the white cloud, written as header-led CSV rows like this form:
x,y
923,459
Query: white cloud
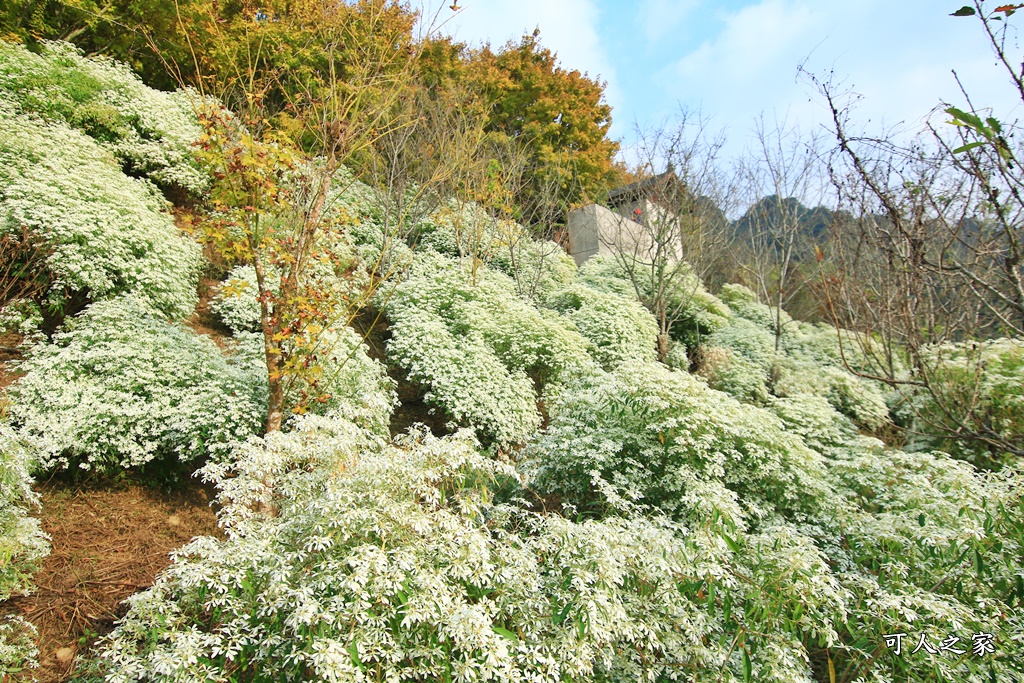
x,y
897,55
661,18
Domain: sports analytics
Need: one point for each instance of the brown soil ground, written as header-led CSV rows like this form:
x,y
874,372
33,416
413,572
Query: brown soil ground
x,y
108,541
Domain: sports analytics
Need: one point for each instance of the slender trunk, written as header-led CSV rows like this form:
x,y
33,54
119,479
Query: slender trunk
x,y
271,351
663,339
275,354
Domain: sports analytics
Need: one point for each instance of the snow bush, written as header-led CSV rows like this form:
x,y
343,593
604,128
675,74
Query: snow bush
x,y
741,359
481,351
876,533
22,542
927,545
236,301
662,439
743,303
618,328
738,359
347,377
979,385
23,545
122,386
699,312
857,398
392,563
150,132
108,233
18,651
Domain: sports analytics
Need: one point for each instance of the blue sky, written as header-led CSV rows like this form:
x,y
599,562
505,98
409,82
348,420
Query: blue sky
x,y
736,60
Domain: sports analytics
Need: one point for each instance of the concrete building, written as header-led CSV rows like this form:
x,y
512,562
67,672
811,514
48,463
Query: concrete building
x,y
625,227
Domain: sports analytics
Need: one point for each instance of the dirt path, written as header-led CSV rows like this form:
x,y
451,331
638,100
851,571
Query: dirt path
x,y
108,541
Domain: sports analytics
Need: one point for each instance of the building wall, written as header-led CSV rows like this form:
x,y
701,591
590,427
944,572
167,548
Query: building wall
x,y
594,230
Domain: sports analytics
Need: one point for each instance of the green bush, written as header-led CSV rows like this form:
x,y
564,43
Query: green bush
x,y
105,233
149,132
122,386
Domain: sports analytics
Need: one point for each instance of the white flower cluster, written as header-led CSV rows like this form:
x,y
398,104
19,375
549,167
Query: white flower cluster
x,y
150,132
122,386
22,545
18,651
617,326
481,350
979,385
354,383
741,358
697,311
22,542
107,233
236,301
392,563
662,439
846,541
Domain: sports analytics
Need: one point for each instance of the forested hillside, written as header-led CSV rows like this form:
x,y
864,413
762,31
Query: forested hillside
x,y
254,273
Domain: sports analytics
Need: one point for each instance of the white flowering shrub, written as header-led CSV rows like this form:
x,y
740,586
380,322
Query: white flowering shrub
x,y
481,351
538,267
459,229
926,545
876,533
122,386
22,542
21,316
662,439
700,313
743,303
857,398
355,385
741,359
236,300
392,563
18,651
107,233
618,328
150,132
814,420
979,385
348,380
738,359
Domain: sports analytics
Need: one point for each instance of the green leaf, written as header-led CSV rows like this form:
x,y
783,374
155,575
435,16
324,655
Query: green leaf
x,y
562,614
968,146
733,545
505,633
965,11
353,652
748,669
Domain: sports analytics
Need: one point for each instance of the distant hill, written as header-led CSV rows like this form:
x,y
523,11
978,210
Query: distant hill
x,y
814,223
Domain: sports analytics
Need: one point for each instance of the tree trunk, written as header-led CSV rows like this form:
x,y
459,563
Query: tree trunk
x,y
272,352
663,339
275,404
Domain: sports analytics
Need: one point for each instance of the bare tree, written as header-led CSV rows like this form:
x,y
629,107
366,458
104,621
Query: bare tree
x,y
933,249
781,176
672,227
